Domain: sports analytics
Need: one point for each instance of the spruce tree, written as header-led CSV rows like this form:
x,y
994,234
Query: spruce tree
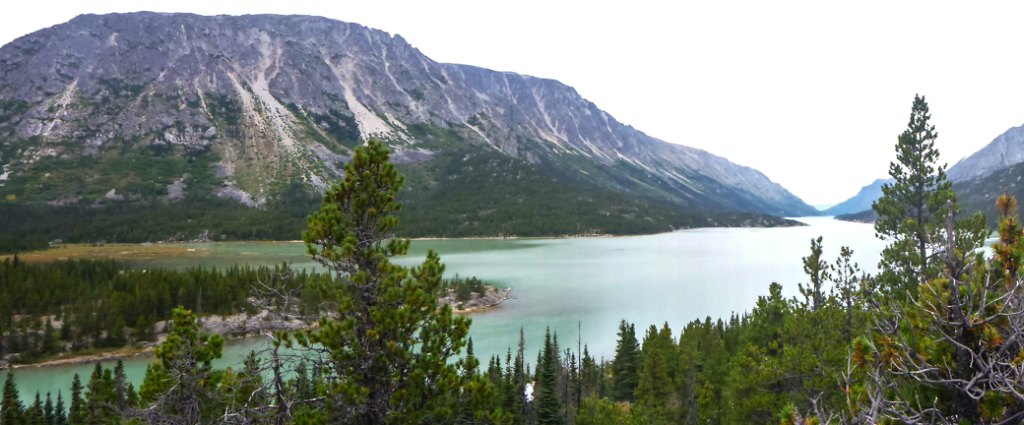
x,y
59,415
48,414
625,364
549,404
656,385
11,410
120,386
35,414
590,374
76,414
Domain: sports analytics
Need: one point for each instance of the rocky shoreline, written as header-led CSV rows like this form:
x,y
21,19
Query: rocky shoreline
x,y
243,325
492,297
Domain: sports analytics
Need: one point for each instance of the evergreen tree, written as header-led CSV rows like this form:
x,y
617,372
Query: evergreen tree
x,y
99,397
572,395
818,271
178,384
939,349
850,295
76,415
590,374
250,389
391,343
655,391
11,410
626,363
549,404
912,209
35,414
120,386
59,415
48,414
304,388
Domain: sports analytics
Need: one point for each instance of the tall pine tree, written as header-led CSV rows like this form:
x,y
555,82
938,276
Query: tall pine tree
x,y
391,342
912,209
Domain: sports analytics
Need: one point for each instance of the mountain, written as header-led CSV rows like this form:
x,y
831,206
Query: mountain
x,y
184,110
861,201
1006,150
979,178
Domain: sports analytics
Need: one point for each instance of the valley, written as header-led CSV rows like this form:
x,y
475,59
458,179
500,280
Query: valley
x,y
277,218
557,283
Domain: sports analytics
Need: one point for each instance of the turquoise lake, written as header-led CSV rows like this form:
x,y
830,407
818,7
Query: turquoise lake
x,y
585,284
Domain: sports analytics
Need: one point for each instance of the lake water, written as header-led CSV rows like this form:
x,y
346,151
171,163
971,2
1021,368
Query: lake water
x,y
569,284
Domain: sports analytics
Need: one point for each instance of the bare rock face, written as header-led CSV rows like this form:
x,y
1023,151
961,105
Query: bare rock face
x,y
285,98
1004,151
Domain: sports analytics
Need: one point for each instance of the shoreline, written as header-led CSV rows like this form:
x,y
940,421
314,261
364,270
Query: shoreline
x,y
216,325
127,251
122,353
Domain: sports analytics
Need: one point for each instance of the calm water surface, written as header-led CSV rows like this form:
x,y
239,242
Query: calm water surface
x,y
562,283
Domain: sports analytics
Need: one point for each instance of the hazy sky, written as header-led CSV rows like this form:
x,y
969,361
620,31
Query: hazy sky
x,y
811,93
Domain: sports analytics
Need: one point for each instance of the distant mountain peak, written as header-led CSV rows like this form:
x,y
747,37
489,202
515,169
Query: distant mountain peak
x,y
861,201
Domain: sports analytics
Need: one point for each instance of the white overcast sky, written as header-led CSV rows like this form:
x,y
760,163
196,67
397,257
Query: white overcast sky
x,y
811,93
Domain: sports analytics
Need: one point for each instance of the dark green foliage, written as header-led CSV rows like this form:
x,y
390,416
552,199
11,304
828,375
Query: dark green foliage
x,y
463,287
76,413
11,410
950,322
391,342
817,270
32,226
105,304
913,208
945,318
179,386
979,194
656,396
548,399
59,413
626,364
452,195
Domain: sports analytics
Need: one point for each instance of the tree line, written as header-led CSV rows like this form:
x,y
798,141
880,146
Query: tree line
x,y
933,337
93,304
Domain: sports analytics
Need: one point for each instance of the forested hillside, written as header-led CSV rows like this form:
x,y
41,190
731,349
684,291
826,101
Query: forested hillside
x,y
934,337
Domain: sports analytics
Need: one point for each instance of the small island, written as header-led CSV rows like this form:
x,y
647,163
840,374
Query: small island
x,y
466,295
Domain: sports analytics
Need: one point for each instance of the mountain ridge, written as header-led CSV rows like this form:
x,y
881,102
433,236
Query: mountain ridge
x,y
1004,151
861,201
128,107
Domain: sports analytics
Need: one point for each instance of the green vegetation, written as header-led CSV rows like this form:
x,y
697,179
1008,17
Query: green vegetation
x,y
444,201
452,196
935,337
390,345
77,306
463,287
32,226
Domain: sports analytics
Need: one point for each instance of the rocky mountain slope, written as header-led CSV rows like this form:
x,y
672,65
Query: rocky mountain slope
x,y
979,178
861,201
1005,151
148,107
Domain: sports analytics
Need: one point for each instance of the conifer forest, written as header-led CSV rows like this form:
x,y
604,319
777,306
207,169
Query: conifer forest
x,y
936,336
